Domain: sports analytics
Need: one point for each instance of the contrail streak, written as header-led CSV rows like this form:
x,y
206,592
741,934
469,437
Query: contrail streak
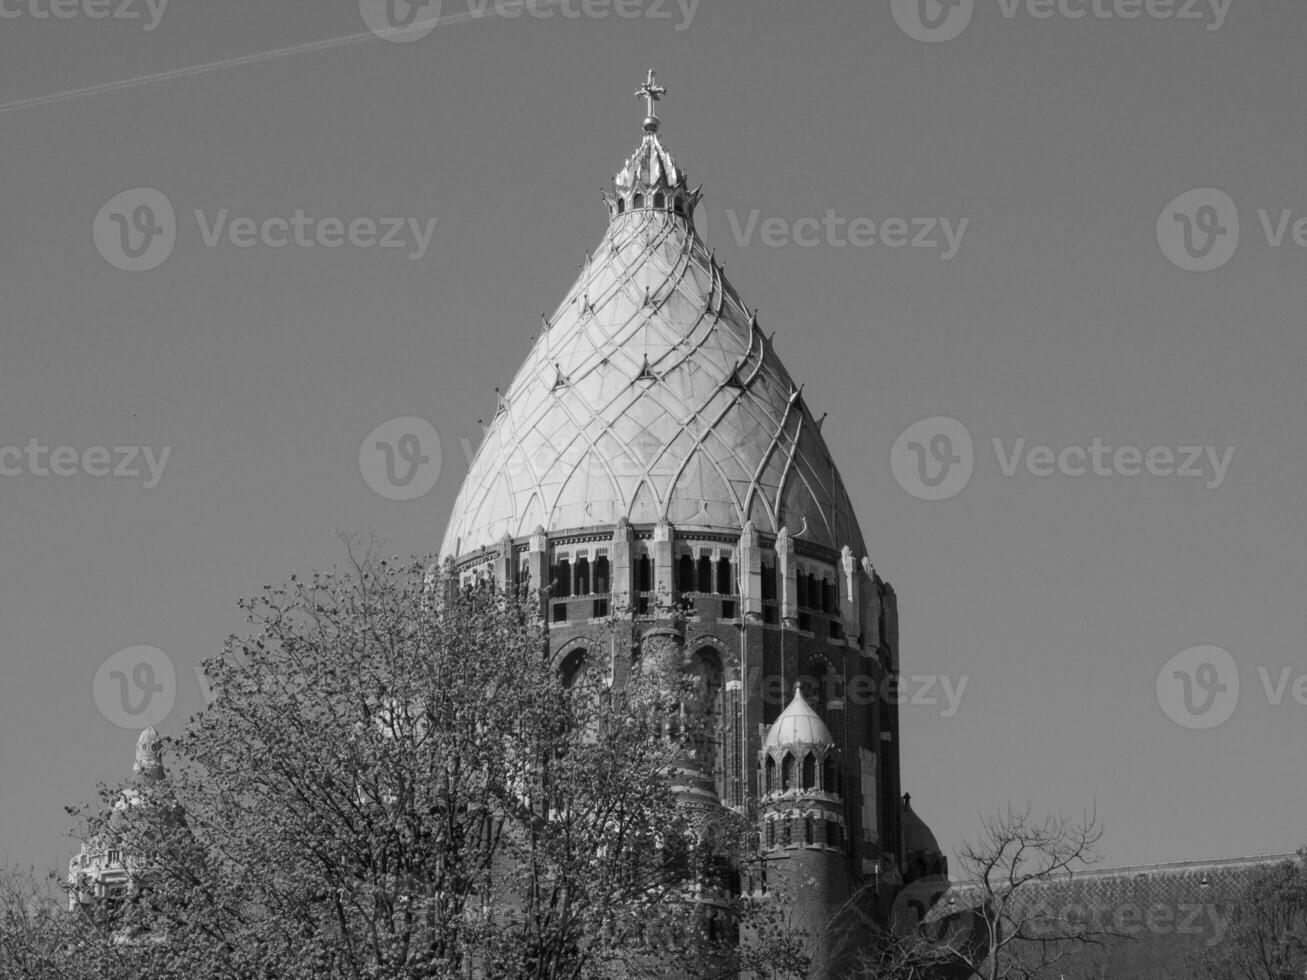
x,y
249,59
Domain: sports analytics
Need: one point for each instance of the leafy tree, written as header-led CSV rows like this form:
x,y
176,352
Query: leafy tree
x,y
393,781
1267,935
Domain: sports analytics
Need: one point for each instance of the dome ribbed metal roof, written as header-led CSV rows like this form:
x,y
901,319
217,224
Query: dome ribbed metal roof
x,y
653,395
798,724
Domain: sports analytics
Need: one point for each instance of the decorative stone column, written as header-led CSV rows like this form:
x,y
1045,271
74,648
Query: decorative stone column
x,y
749,574
786,575
662,559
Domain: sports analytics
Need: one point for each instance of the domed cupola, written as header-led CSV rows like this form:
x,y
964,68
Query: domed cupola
x,y
798,755
921,852
652,395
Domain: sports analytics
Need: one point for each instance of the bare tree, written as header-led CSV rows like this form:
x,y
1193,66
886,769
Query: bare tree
x,y
1006,929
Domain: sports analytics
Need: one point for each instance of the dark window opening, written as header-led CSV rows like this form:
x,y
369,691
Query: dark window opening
x,y
728,609
829,777
600,608
685,574
704,578
768,581
621,205
808,836
769,783
660,201
724,577
809,771
642,605
560,612
646,574
678,206
563,577
601,574
770,615
638,201
581,577
805,621
787,771
801,591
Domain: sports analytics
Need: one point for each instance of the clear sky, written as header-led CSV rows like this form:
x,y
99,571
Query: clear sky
x,y
1059,320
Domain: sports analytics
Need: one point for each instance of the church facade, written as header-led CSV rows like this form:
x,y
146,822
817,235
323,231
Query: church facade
x,y
656,466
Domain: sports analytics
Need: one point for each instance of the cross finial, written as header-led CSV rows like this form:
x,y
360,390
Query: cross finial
x,y
651,92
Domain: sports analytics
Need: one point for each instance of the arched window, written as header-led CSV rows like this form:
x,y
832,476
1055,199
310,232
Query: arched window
x,y
572,667
678,205
685,574
563,578
711,709
814,597
809,771
621,205
638,201
830,781
581,577
769,781
801,590
768,581
787,771
646,574
827,595
660,201
704,578
724,577
601,574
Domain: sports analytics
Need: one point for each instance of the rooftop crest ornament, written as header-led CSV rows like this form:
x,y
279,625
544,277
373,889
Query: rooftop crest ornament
x,y
652,93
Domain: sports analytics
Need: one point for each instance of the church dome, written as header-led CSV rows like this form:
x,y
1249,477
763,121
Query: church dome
x,y
651,394
917,837
797,725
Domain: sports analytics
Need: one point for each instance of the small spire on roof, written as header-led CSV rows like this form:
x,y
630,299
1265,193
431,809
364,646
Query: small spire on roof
x,y
652,93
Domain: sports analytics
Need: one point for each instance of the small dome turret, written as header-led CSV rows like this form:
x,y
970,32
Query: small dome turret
x,y
798,725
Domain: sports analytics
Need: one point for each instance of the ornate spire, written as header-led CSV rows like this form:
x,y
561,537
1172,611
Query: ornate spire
x,y
651,180
652,93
